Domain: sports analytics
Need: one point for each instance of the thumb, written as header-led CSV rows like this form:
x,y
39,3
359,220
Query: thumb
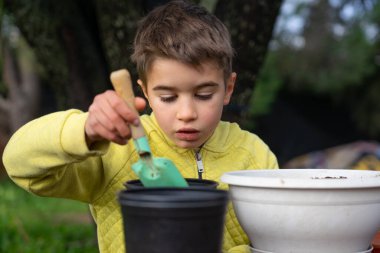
x,y
140,103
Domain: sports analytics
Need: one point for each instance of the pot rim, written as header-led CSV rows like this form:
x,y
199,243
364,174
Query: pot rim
x,y
254,250
172,194
195,181
303,178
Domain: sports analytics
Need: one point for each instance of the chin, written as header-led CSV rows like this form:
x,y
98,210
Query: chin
x,y
189,145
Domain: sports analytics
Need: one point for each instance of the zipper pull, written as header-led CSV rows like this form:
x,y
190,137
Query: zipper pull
x,y
200,167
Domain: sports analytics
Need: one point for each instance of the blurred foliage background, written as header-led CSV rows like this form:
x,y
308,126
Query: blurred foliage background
x,y
308,72
320,84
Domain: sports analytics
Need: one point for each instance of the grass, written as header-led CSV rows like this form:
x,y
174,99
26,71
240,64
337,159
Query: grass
x,y
31,224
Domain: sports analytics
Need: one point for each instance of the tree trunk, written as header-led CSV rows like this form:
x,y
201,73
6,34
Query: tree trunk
x,y
21,79
251,25
87,66
22,101
66,39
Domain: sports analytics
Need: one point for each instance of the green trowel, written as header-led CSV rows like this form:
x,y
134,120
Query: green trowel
x,y
152,171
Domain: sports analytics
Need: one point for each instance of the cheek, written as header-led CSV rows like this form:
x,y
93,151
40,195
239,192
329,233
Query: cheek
x,y
154,103
163,114
164,122
157,105
211,114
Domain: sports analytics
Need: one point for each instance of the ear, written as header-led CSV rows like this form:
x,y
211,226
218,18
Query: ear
x,y
230,85
143,87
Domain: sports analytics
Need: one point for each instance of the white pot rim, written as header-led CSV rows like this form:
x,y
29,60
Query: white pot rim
x,y
303,178
254,250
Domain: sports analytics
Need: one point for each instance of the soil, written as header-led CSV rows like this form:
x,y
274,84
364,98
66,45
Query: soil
x,y
340,177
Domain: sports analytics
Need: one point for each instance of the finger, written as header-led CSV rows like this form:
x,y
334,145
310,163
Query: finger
x,y
112,136
128,114
111,117
102,133
114,123
140,103
101,112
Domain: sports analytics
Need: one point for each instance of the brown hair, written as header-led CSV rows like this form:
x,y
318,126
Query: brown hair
x,y
185,32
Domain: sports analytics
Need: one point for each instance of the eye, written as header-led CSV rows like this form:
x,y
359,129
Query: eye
x,y
168,99
204,96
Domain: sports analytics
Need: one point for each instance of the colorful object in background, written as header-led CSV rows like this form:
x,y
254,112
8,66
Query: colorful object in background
x,y
367,162
359,155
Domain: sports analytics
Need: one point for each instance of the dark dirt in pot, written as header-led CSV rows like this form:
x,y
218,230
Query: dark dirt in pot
x,y
193,183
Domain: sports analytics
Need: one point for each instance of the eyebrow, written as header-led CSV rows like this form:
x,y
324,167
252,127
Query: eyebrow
x,y
199,86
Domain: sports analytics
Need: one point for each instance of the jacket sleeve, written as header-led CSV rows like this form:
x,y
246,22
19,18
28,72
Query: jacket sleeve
x,y
240,249
49,157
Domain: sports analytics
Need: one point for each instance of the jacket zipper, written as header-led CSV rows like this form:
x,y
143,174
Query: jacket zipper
x,y
200,167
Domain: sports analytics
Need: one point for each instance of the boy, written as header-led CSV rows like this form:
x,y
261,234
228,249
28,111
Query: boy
x,y
183,56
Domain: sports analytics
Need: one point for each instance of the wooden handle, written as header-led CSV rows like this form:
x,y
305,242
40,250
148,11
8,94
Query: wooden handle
x,y
121,81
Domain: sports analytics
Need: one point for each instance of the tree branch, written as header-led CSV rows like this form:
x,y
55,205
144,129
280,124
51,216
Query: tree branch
x,y
4,106
9,69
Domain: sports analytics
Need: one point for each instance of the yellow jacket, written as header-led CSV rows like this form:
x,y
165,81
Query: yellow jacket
x,y
49,157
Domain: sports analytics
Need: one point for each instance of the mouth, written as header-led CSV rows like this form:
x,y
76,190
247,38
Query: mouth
x,y
187,134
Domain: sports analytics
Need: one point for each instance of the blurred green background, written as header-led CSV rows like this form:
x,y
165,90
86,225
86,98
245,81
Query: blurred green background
x,y
31,224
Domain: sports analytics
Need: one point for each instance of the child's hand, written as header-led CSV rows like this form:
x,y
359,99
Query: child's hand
x,y
109,118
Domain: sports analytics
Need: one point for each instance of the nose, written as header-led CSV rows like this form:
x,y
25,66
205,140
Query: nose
x,y
187,110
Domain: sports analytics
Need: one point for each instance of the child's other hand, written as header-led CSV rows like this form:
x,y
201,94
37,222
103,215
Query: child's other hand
x,y
109,118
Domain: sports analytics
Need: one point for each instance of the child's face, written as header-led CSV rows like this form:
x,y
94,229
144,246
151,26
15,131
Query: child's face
x,y
187,101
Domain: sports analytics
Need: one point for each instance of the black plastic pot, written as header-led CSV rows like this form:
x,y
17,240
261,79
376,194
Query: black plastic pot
x,y
173,220
193,183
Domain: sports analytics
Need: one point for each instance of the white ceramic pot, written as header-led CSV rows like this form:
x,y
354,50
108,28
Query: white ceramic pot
x,y
253,250
307,210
